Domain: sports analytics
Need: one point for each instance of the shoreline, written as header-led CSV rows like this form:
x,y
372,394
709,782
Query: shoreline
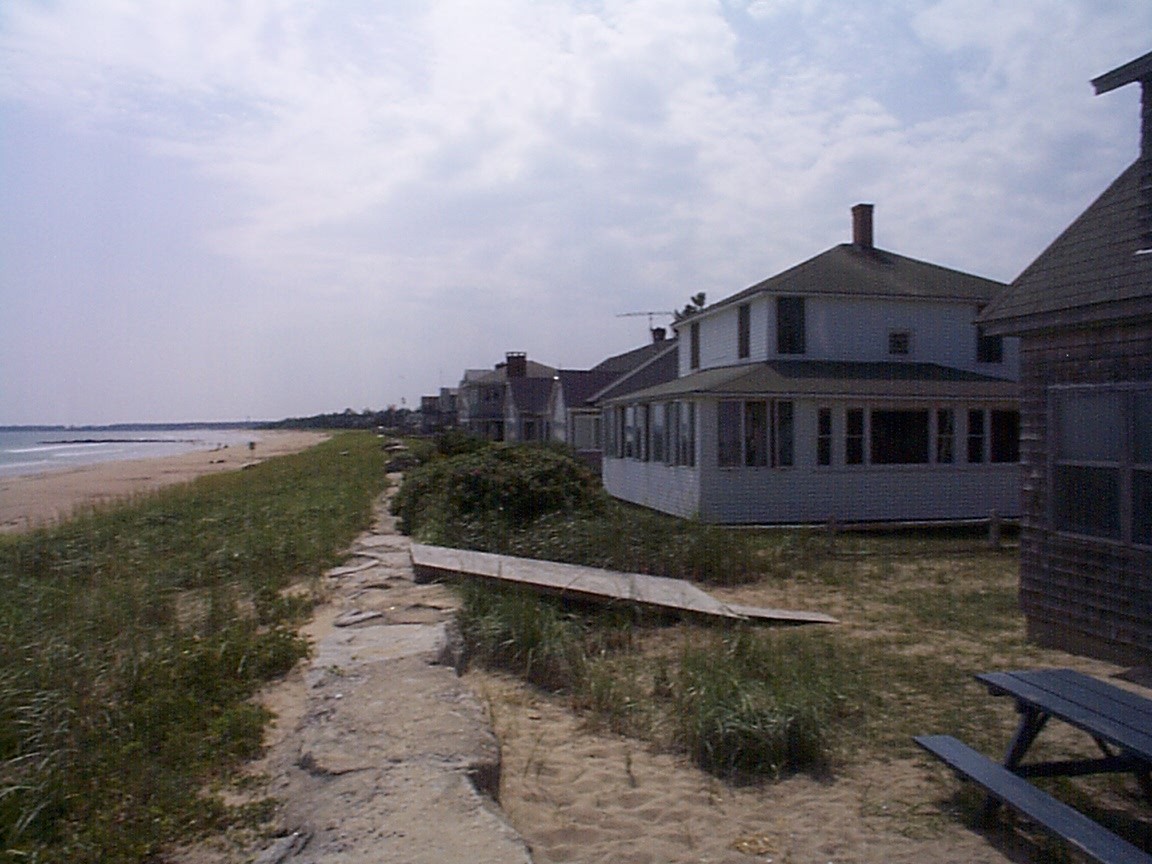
x,y
30,501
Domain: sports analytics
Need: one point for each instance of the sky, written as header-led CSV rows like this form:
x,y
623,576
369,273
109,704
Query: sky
x,y
254,209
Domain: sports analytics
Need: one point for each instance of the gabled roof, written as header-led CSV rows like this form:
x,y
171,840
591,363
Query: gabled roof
x,y
629,360
578,385
851,270
530,395
657,369
834,378
1094,272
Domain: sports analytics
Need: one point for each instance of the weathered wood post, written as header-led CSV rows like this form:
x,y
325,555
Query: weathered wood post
x,y
994,530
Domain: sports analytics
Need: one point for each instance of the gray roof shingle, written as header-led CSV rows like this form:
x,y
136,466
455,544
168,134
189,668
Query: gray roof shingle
x,y
1093,272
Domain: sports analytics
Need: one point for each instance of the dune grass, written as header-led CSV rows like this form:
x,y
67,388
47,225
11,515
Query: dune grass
x,y
133,636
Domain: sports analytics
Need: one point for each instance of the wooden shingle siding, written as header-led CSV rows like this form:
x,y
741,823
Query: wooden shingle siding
x,y
1083,594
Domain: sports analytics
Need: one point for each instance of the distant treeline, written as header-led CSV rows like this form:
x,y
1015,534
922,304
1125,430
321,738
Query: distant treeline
x,y
390,418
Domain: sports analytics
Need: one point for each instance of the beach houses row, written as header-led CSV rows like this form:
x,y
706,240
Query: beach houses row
x,y
855,386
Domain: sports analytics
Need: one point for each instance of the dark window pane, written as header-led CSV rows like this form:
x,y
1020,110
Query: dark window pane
x,y
975,436
989,349
1087,500
1142,448
694,345
744,330
945,435
854,439
899,437
1005,436
1142,506
784,432
1089,426
728,434
755,434
824,436
790,325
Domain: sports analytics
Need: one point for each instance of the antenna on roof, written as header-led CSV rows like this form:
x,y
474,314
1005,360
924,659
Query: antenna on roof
x,y
649,314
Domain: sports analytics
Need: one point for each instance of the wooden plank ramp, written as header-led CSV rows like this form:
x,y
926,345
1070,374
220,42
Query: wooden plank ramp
x,y
594,584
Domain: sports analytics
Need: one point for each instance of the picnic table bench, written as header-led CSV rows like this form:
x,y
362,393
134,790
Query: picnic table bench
x,y
1120,722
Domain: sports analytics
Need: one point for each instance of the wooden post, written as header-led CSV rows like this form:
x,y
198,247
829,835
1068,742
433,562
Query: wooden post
x,y
994,530
830,532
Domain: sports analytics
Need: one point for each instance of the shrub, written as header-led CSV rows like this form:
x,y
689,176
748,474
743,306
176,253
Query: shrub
x,y
505,486
755,703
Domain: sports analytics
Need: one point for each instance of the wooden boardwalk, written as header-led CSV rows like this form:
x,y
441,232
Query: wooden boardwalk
x,y
594,584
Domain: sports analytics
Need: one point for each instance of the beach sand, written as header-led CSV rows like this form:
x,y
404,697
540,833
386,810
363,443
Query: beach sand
x,y
41,499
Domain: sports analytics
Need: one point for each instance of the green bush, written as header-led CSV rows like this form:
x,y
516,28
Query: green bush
x,y
505,486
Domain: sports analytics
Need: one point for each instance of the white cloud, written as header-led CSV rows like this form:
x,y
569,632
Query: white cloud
x,y
565,160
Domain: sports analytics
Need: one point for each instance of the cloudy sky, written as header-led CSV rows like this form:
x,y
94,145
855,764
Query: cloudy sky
x,y
225,209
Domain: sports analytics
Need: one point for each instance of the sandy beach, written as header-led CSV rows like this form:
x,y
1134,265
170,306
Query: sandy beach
x,y
41,499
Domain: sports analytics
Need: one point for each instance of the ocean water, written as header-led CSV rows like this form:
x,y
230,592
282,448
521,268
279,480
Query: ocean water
x,y
33,452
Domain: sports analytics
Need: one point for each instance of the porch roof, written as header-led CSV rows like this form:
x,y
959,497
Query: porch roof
x,y
833,378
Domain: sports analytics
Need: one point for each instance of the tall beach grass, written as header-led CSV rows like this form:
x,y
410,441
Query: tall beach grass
x,y
133,636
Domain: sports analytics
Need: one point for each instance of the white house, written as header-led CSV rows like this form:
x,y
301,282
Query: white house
x,y
855,386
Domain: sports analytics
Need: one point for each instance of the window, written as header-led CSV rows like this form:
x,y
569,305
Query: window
x,y
854,437
989,349
899,437
790,325
642,432
1005,436
975,436
672,414
1087,475
1142,468
945,436
586,432
631,445
694,345
686,454
754,434
656,432
824,436
743,331
728,434
900,343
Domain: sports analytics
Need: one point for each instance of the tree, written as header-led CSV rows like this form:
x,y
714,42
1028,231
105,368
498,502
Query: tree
x,y
695,304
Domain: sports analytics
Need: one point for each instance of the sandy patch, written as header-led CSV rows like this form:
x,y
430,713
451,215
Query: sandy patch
x,y
41,499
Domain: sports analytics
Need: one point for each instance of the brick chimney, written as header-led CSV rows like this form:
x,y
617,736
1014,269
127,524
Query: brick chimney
x,y
1140,70
862,226
517,364
658,334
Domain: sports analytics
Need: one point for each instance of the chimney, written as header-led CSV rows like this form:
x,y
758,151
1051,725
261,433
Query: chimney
x,y
862,226
517,364
658,334
1139,70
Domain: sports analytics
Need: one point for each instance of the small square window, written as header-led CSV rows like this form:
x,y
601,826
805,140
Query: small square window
x,y
900,343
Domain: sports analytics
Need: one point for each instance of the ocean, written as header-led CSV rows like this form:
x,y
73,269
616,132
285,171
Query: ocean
x,y
28,451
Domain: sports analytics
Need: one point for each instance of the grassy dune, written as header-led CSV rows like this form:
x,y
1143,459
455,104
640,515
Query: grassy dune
x,y
132,637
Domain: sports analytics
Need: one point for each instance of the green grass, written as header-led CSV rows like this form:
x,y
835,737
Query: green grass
x,y
133,636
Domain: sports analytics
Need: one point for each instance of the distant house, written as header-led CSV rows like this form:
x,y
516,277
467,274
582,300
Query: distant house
x,y
438,412
483,394
855,386
1083,312
526,409
574,413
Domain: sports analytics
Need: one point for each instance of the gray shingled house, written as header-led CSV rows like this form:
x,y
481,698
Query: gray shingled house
x,y
1083,312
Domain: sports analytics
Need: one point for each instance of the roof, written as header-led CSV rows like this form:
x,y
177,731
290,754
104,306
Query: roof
x,y
835,378
500,373
1094,272
848,269
658,369
530,395
629,360
579,385
1139,69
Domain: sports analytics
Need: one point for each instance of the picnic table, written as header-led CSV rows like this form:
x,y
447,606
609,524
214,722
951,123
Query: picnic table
x,y
1119,721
